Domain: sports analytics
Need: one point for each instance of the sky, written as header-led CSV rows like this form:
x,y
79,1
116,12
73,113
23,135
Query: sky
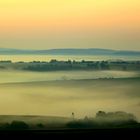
x,y
47,24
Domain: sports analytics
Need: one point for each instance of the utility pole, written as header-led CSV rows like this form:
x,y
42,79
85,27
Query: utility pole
x,y
73,115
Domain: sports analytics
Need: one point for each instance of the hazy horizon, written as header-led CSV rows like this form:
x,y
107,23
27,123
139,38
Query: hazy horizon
x,y
100,48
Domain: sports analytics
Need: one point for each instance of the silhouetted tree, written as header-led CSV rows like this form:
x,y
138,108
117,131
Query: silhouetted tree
x,y
40,125
18,125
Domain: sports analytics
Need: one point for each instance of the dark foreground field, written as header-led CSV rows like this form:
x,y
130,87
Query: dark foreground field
x,y
77,133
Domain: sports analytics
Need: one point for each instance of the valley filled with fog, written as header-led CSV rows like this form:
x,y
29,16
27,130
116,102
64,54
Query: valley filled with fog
x,y
60,93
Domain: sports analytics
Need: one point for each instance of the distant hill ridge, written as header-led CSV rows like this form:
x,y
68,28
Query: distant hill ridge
x,y
69,51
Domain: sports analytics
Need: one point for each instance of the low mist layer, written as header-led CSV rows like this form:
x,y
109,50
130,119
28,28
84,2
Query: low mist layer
x,y
11,76
60,98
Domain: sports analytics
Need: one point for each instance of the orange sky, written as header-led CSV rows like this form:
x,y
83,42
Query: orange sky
x,y
27,19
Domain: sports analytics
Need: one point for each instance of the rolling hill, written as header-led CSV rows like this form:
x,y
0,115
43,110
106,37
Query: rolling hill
x,y
70,51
